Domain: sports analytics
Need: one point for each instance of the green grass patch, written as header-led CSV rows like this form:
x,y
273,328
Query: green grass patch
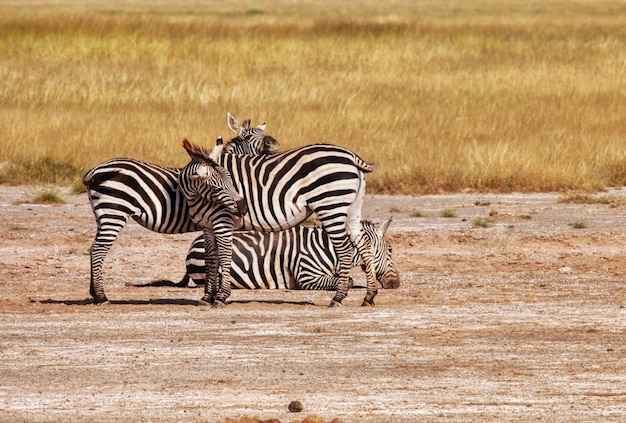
x,y
43,171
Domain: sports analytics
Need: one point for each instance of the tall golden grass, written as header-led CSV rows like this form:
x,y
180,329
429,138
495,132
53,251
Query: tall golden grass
x,y
442,96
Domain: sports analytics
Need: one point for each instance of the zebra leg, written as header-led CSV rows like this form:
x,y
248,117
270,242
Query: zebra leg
x,y
344,251
105,237
365,250
225,256
211,268
97,253
321,283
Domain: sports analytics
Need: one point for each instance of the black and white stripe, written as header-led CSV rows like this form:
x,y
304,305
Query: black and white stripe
x,y
298,258
119,189
281,191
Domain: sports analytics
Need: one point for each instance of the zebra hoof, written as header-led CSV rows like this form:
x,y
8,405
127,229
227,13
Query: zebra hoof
x,y
334,303
103,303
100,300
369,303
202,303
218,304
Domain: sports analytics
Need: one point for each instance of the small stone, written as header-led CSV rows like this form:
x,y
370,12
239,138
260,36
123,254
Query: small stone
x,y
295,406
565,270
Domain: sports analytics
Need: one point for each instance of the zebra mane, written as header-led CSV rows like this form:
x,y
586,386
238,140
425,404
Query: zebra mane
x,y
234,142
197,152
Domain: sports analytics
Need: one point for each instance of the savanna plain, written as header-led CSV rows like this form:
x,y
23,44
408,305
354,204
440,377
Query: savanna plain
x,y
497,129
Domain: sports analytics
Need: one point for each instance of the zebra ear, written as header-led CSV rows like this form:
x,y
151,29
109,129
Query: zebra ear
x,y
233,123
261,126
383,227
189,148
217,150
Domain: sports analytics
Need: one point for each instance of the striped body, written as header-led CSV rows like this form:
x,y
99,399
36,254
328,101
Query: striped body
x,y
298,258
121,189
281,191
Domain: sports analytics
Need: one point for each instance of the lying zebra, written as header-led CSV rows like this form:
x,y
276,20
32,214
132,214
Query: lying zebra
x,y
298,258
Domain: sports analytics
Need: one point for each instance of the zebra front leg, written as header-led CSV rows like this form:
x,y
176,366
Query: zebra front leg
x,y
365,250
211,268
224,241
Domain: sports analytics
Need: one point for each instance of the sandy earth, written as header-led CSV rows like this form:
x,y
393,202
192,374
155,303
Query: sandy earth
x,y
520,321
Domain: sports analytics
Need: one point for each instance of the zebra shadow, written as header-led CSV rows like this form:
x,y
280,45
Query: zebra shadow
x,y
275,302
169,301
151,301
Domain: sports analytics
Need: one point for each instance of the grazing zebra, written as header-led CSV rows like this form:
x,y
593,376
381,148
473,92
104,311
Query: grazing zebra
x,y
298,258
282,190
119,189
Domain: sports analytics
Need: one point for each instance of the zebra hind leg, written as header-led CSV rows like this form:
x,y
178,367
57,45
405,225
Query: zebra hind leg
x,y
344,250
97,254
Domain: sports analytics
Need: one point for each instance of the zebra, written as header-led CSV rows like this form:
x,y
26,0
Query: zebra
x,y
298,258
282,190
119,189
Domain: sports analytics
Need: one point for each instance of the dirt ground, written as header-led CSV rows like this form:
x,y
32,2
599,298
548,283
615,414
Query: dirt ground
x,y
518,321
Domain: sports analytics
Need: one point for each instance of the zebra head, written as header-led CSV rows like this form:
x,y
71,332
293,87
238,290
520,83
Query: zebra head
x,y
203,181
386,272
249,141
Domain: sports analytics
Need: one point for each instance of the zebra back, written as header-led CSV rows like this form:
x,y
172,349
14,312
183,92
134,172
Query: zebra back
x,y
283,189
121,188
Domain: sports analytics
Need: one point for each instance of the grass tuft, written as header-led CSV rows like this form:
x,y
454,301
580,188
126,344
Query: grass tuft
x,y
447,213
417,213
48,196
579,224
480,222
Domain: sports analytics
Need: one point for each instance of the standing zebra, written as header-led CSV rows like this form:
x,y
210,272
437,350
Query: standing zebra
x,y
119,189
281,191
298,258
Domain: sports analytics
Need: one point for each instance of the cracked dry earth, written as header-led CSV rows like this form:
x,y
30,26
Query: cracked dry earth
x,y
518,321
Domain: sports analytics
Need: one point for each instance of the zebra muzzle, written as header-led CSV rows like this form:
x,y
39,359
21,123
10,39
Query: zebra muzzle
x,y
242,207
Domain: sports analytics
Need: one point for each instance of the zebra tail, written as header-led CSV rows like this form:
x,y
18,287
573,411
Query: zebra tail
x,y
93,178
88,178
362,165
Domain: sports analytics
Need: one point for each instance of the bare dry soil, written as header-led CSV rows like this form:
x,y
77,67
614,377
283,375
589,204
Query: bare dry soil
x,y
511,309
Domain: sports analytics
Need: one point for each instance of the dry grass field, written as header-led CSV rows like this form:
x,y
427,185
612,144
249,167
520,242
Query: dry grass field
x,y
441,95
